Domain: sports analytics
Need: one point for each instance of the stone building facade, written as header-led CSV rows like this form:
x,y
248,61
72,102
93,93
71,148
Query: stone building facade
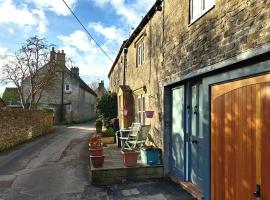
x,y
170,65
69,96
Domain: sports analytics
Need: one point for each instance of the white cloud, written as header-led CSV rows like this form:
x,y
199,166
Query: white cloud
x,y
11,31
56,6
79,40
4,59
23,16
131,12
112,33
85,55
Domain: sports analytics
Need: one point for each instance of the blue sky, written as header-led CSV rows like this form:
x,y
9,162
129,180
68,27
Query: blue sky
x,y
109,21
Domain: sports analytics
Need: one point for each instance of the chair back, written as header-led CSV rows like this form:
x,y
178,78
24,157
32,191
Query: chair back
x,y
143,132
135,127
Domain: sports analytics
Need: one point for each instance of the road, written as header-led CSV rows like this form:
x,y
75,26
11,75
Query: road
x,y
52,167
56,167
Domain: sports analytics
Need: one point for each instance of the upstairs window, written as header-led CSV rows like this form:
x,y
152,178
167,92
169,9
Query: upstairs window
x,y
140,53
199,7
67,88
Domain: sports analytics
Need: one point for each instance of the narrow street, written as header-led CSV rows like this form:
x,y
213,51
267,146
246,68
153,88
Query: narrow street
x,y
55,167
52,167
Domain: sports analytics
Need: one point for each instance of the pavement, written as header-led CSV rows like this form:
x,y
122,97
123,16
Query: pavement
x,y
56,167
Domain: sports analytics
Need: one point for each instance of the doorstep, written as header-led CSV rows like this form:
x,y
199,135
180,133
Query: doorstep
x,y
189,187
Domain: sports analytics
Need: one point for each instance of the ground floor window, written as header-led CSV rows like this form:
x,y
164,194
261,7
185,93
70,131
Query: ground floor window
x,y
141,109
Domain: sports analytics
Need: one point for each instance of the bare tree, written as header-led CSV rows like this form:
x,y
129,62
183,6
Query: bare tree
x,y
94,85
31,71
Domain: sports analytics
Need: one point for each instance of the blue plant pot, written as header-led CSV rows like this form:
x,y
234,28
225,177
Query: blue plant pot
x,y
151,156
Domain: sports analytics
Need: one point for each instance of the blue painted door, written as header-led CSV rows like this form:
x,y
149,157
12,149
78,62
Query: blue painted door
x,y
177,146
196,139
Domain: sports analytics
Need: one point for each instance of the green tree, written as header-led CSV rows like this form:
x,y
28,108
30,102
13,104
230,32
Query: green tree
x,y
107,108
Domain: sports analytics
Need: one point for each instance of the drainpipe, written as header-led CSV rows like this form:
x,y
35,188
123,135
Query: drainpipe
x,y
125,64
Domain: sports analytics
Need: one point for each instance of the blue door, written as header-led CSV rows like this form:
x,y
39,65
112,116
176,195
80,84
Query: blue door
x,y
177,139
196,138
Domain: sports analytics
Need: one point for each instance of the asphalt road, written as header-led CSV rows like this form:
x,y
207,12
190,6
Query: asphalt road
x,y
56,167
52,167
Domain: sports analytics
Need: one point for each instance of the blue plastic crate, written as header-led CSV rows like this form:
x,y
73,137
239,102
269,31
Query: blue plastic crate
x,y
151,156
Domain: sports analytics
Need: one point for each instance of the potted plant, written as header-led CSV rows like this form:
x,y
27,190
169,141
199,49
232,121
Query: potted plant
x,y
96,151
97,161
151,155
99,125
109,136
95,146
129,157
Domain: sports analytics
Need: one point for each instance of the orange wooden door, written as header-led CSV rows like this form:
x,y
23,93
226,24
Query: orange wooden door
x,y
240,139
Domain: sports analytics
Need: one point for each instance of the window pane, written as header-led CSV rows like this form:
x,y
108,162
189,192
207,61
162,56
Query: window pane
x,y
197,7
209,3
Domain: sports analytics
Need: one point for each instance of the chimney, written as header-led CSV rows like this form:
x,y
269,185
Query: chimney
x,y
75,71
52,55
60,58
101,84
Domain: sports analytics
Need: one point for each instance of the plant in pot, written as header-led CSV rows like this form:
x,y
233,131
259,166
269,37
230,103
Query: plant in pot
x,y
151,155
109,136
96,151
99,125
95,146
129,157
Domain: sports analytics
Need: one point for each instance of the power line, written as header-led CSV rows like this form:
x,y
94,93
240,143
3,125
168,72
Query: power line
x,y
87,31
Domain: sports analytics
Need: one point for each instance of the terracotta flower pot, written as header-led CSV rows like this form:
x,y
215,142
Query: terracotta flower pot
x,y
96,152
97,161
129,157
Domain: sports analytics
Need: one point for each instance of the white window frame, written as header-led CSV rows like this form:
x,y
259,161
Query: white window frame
x,y
203,10
140,53
141,109
69,88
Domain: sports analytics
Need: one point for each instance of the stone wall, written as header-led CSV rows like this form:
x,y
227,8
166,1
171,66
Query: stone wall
x,y
230,28
175,47
18,126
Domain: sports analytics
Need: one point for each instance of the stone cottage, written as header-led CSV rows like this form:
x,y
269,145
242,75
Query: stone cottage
x,y
69,96
11,97
203,67
101,90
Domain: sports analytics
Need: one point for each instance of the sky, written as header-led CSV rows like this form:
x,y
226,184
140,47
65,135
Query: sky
x,y
109,21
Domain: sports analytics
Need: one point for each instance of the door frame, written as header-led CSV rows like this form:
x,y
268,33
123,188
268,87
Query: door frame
x,y
184,178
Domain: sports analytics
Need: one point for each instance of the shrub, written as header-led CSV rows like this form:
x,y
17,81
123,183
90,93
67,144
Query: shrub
x,y
110,132
99,125
107,108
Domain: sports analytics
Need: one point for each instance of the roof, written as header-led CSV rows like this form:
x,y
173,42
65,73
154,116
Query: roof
x,y
136,32
11,92
83,84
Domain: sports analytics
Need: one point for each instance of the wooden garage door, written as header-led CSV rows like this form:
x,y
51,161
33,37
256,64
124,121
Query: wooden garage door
x,y
240,139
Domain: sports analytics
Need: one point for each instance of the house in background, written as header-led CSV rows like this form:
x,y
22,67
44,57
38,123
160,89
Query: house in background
x,y
11,97
203,67
69,96
101,90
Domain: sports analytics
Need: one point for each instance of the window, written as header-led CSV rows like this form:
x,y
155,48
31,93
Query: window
x,y
140,53
69,108
199,7
141,109
67,88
